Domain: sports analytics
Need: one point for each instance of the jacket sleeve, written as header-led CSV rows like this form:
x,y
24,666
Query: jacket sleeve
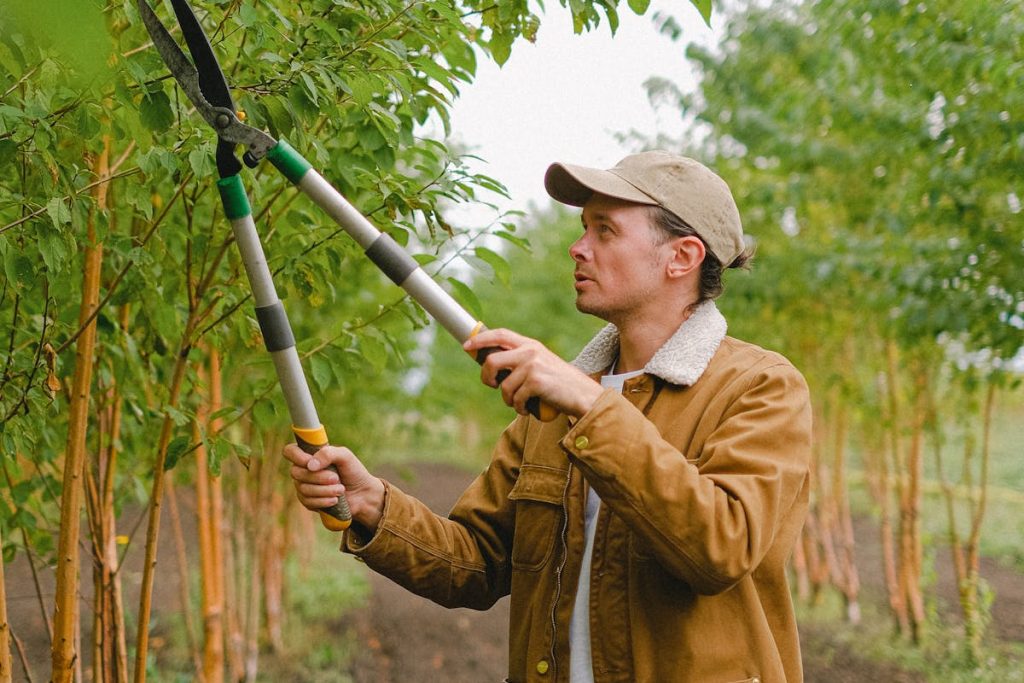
x,y
709,524
459,561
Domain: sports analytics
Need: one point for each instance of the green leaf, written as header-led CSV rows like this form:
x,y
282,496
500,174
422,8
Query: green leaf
x,y
467,298
218,450
226,411
520,242
501,46
8,152
19,268
155,111
88,125
704,7
201,162
320,368
54,249
311,90
59,212
175,449
496,262
639,6
374,351
22,491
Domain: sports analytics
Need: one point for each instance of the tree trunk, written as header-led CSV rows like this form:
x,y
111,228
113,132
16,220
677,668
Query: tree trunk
x,y
110,656
208,518
974,618
6,665
156,501
273,568
260,527
181,554
63,651
912,523
844,522
894,553
233,562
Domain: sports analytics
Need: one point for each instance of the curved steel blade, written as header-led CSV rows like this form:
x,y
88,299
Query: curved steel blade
x,y
212,82
181,68
223,119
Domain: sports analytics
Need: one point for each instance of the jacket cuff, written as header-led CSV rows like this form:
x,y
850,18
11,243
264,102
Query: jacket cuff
x,y
357,540
584,440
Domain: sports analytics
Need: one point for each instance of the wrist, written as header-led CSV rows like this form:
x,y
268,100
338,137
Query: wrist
x,y
586,398
370,507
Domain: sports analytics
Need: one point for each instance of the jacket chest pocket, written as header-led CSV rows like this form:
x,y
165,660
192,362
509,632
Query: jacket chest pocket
x,y
538,494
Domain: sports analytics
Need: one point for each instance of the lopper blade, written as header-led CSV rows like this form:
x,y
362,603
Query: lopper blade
x,y
222,118
212,82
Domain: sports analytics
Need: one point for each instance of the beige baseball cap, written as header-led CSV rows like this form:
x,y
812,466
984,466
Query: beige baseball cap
x,y
686,187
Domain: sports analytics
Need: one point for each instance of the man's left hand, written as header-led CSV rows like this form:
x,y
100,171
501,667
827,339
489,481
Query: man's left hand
x,y
533,371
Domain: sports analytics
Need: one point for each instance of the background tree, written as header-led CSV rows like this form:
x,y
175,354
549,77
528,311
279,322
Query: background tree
x,y
874,148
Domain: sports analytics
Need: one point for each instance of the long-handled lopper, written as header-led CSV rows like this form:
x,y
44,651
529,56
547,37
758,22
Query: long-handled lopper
x,y
205,85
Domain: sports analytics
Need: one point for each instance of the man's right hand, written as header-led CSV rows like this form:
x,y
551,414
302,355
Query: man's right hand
x,y
318,487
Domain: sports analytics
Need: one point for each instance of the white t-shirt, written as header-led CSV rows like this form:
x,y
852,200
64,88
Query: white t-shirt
x,y
581,668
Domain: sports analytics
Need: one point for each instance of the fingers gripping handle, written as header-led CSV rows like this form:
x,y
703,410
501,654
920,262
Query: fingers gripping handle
x,y
540,410
337,517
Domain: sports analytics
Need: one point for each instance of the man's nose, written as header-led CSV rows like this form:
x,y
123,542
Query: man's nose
x,y
577,250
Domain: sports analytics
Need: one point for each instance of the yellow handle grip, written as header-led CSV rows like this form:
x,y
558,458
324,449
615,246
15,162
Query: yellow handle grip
x,y
337,517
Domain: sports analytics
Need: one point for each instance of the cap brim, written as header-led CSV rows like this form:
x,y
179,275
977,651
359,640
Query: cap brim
x,y
574,185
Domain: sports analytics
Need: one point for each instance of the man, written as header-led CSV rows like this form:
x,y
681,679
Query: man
x,y
643,534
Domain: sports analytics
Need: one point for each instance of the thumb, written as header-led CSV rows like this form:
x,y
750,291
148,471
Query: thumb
x,y
323,458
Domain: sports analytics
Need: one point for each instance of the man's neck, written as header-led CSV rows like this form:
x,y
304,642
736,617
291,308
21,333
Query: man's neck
x,y
640,339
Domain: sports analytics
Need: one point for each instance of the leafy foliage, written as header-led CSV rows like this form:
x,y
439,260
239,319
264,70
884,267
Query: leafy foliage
x,y
876,148
350,84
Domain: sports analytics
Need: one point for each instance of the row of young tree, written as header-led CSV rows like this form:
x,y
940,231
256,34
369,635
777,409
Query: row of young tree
x,y
128,346
875,149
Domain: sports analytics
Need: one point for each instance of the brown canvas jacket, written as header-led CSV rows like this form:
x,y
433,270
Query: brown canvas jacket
x,y
702,468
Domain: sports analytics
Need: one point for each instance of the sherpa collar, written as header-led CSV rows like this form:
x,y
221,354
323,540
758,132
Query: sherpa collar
x,y
681,360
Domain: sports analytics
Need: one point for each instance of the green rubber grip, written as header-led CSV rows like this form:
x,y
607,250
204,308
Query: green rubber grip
x,y
234,198
289,162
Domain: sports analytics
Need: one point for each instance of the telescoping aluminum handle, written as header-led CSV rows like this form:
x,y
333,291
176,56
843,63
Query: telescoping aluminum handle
x,y
394,261
309,433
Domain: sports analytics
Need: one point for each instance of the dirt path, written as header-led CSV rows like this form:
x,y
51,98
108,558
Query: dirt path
x,y
407,638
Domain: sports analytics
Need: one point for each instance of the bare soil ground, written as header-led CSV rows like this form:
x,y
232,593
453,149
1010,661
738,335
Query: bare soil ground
x,y
400,637
407,638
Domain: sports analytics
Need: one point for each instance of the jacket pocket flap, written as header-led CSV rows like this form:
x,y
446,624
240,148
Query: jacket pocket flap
x,y
540,483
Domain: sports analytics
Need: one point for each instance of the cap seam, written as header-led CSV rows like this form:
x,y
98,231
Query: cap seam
x,y
635,187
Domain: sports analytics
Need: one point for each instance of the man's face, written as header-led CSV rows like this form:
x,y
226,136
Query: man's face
x,y
620,267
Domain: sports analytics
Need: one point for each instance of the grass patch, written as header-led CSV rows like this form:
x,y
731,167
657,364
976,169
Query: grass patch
x,y
318,642
941,658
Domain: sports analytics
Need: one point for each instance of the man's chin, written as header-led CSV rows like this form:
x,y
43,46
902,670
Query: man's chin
x,y
584,307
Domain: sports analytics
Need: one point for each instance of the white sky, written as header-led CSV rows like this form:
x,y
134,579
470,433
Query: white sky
x,y
564,97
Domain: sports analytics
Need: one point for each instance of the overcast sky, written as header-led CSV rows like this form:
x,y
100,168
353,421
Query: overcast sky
x,y
564,97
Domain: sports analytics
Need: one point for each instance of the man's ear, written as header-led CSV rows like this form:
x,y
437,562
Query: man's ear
x,y
687,255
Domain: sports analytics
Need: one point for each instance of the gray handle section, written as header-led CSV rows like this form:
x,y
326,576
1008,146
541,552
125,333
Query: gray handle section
x,y
277,332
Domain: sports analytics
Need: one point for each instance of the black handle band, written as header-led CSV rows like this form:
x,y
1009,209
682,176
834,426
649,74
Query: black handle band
x,y
389,256
277,332
532,403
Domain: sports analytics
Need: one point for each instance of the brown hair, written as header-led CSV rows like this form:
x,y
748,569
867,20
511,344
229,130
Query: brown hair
x,y
667,225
